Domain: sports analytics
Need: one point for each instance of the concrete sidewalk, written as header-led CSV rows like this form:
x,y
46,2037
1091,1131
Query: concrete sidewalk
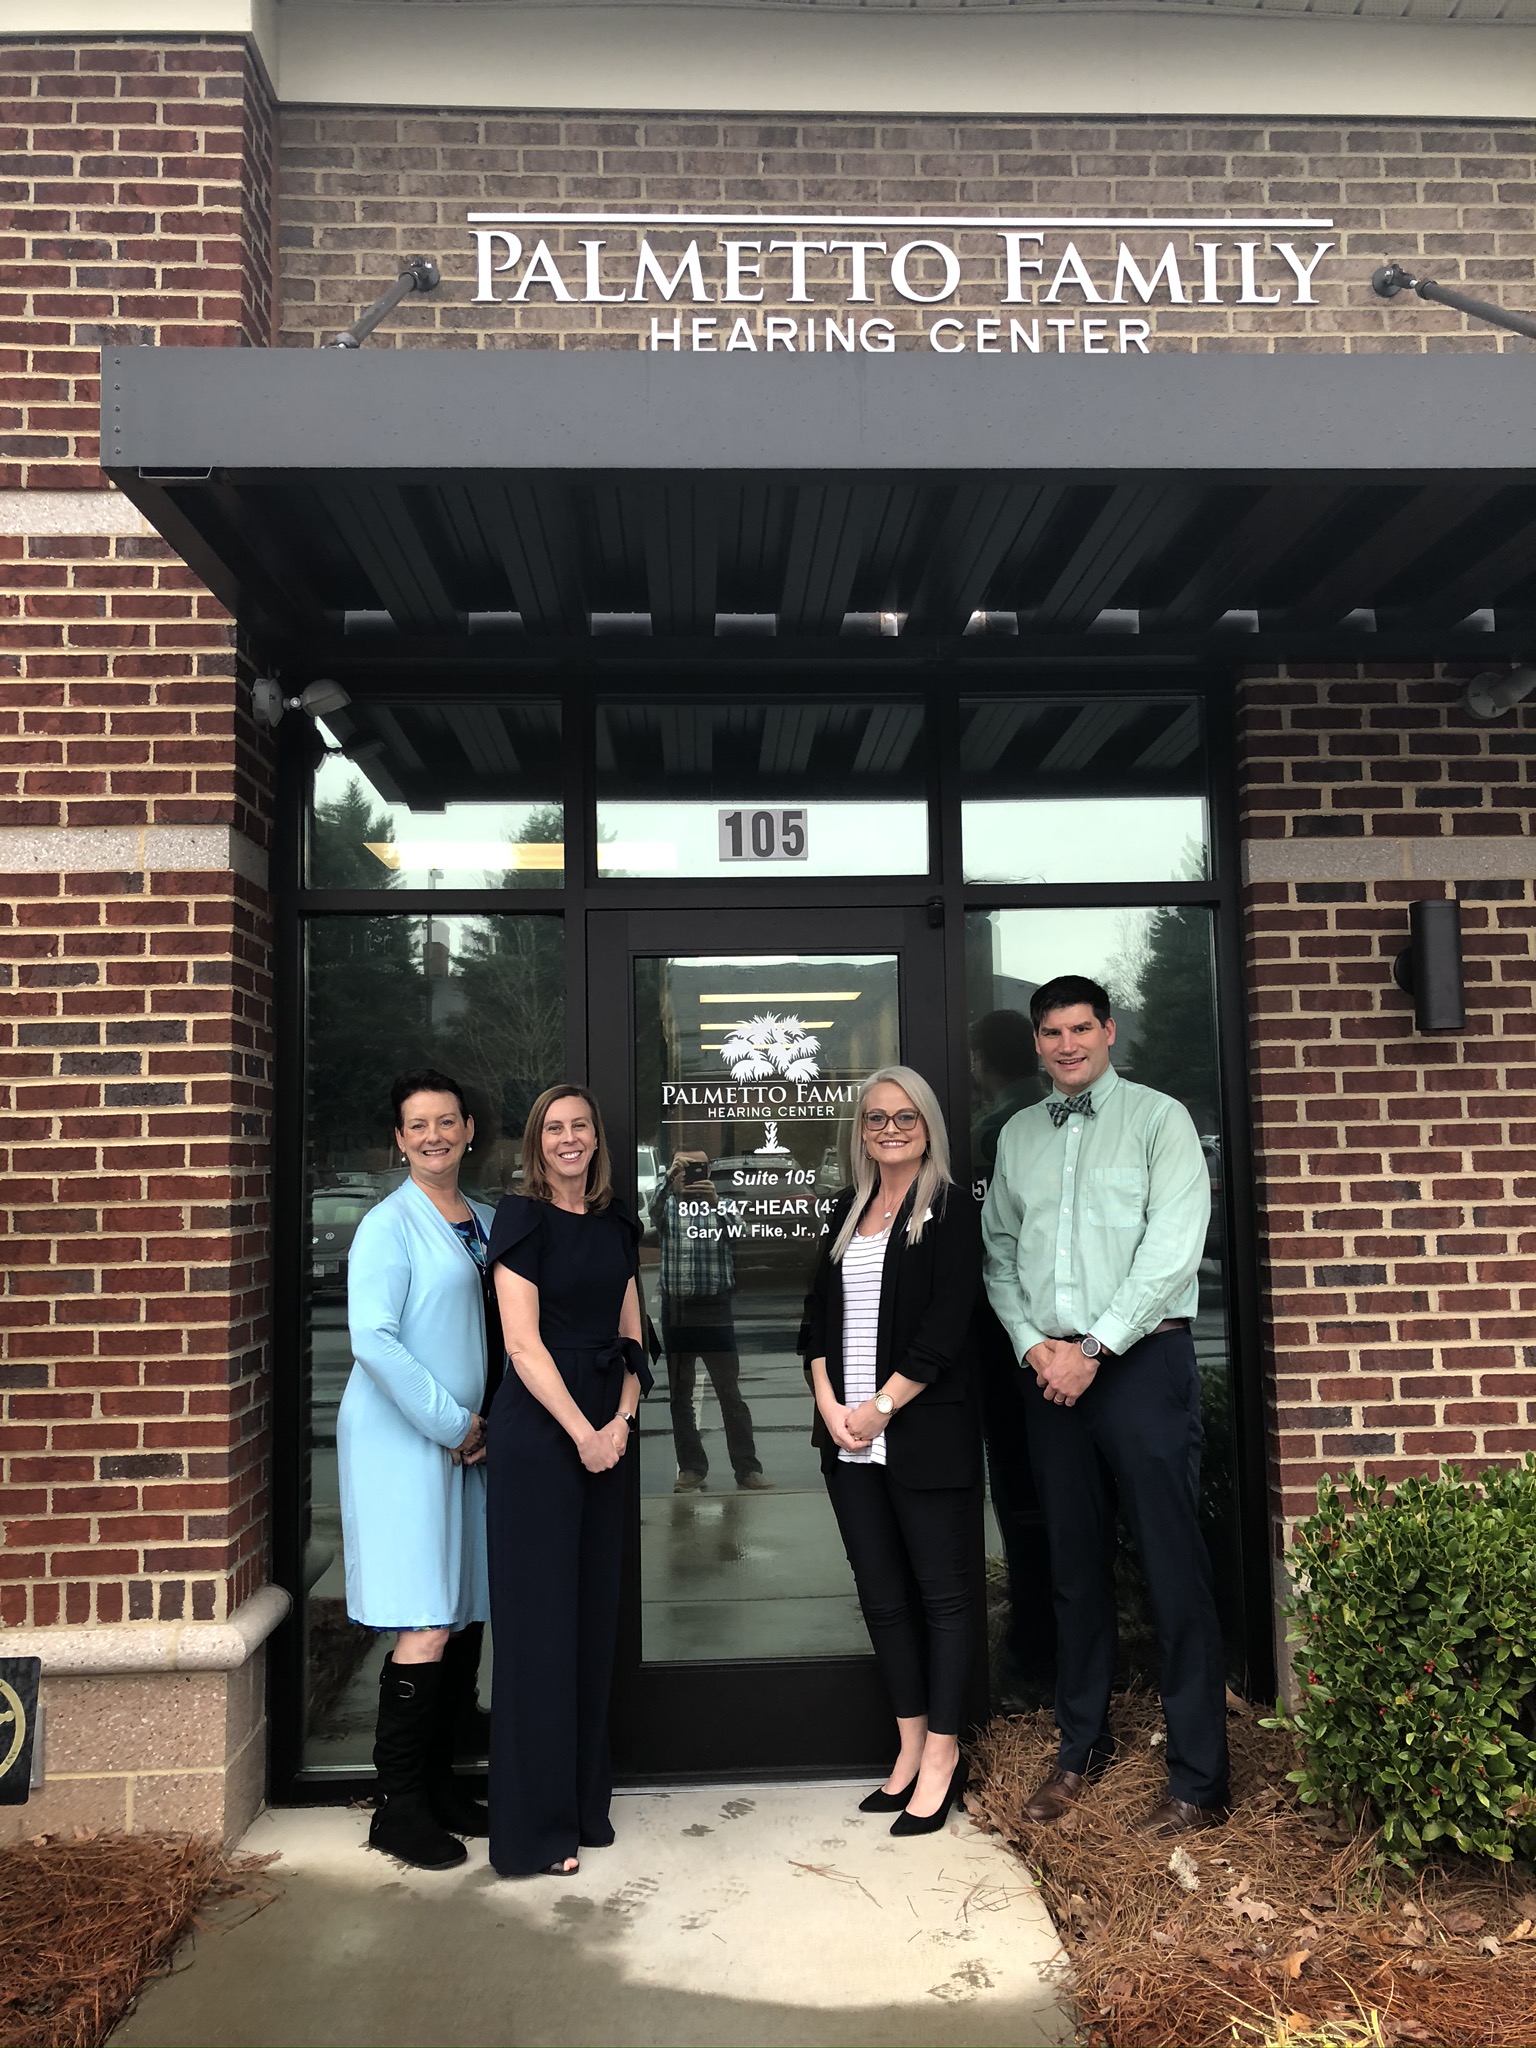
x,y
754,1915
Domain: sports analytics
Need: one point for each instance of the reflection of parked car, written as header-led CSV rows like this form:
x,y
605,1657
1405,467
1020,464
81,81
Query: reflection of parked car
x,y
334,1214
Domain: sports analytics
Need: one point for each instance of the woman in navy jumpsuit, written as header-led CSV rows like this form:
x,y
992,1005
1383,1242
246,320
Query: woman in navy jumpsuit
x,y
565,1255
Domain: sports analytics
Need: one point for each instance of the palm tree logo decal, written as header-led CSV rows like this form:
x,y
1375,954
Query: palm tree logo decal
x,y
769,1048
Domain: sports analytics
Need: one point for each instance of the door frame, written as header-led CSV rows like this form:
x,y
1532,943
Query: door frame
x,y
755,1718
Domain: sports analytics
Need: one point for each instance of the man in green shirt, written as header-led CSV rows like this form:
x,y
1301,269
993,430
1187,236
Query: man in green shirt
x,y
1094,1227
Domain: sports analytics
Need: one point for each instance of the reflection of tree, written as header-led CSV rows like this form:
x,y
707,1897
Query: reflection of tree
x,y
368,1020
507,1036
1176,1045
343,826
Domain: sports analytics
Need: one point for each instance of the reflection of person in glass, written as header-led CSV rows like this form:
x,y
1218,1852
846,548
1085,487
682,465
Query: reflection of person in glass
x,y
1005,1069
886,1340
698,1279
409,1447
566,1258
1094,1224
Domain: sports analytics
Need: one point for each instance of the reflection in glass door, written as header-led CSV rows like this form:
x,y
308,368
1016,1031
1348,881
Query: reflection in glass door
x,y
731,1074
747,1073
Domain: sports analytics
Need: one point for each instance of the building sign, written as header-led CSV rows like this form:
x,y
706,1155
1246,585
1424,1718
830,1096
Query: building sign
x,y
845,284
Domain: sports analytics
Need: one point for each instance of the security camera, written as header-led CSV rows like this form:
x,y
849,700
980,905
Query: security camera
x,y
316,700
1496,691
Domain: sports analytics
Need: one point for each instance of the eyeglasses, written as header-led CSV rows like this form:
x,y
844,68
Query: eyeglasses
x,y
903,1119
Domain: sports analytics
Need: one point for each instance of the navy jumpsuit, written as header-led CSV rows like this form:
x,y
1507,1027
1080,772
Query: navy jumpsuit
x,y
556,1534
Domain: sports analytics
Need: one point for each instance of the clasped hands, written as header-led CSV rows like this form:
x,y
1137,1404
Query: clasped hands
x,y
472,1450
601,1449
853,1429
1061,1371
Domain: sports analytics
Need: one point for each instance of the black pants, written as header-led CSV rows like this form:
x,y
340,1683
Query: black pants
x,y
556,1534
907,1547
698,1330
1135,1433
1029,1645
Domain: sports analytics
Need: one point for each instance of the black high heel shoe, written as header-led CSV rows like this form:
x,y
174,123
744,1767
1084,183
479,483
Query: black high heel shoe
x,y
880,1801
930,1823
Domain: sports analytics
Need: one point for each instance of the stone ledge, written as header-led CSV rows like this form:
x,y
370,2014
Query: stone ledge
x,y
70,513
1389,860
115,1648
140,849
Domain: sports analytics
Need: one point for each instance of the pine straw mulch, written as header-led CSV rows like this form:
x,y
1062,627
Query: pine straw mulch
x,y
1285,1925
84,1921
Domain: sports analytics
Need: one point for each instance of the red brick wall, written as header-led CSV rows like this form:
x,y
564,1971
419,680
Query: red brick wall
x,y
137,1034
1397,1171
362,188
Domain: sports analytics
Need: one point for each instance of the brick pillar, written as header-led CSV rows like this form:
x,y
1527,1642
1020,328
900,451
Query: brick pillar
x,y
1396,1170
134,821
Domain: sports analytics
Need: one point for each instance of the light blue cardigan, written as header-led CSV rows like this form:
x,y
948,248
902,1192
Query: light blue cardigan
x,y
413,1522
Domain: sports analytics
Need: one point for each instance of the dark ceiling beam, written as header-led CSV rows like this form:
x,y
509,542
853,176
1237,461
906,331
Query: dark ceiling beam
x,y
981,528
1139,520
830,529
1404,536
1238,564
376,525
681,557
531,534
1504,566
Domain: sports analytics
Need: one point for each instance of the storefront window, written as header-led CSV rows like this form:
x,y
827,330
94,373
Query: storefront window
x,y
481,998
441,795
686,791
1083,790
1159,968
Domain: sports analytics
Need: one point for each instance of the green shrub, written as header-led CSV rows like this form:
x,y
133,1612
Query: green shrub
x,y
1416,1620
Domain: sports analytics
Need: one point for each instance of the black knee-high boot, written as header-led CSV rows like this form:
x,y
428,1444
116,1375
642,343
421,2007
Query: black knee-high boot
x,y
472,1729
453,1805
403,1823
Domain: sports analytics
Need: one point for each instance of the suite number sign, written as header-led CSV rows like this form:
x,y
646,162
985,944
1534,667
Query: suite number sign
x,y
763,835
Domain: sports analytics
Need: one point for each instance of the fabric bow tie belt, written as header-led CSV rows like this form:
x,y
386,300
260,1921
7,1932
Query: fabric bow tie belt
x,y
628,1356
1071,1105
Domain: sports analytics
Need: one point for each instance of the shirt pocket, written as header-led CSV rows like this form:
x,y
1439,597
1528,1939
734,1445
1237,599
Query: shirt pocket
x,y
1115,1197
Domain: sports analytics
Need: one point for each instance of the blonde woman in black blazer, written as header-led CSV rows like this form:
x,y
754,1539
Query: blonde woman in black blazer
x,y
886,1340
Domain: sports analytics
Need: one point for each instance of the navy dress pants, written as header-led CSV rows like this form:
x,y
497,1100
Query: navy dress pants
x,y
556,1534
1136,1434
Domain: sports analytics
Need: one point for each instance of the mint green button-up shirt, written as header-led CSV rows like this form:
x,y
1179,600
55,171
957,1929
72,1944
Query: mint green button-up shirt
x,y
1098,1226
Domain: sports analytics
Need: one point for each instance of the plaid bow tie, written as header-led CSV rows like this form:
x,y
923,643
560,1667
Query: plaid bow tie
x,y
1071,1105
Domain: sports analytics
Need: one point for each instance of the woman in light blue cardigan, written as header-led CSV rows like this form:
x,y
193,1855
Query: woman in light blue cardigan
x,y
410,1452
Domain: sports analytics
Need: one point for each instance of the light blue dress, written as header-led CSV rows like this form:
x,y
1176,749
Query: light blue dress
x,y
413,1522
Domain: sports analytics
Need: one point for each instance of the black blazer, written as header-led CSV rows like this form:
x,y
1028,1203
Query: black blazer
x,y
928,1296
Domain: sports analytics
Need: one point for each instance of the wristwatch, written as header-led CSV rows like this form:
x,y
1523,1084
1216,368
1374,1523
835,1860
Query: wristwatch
x,y
884,1404
1090,1346
632,1420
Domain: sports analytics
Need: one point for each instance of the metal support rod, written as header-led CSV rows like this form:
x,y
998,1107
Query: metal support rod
x,y
421,274
1391,279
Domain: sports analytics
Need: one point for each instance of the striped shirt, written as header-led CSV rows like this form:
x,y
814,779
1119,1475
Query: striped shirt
x,y
862,1267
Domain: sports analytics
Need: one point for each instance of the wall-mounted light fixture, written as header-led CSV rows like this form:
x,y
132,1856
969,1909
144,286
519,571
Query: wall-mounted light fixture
x,y
316,700
1496,691
1429,966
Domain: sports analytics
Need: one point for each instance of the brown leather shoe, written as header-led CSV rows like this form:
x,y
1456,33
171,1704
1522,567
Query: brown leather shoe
x,y
1180,1817
1051,1799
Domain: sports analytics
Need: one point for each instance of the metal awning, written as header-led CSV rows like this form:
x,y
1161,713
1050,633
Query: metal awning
x,y
399,504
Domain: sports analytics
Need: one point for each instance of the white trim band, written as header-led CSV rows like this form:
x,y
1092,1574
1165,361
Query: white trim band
x,y
140,849
1389,860
115,1649
70,512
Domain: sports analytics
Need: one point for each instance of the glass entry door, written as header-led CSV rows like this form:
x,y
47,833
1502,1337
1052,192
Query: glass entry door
x,y
746,1039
